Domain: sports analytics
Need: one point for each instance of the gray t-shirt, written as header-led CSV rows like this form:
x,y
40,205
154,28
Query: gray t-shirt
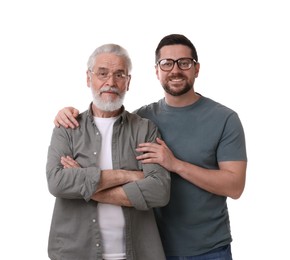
x,y
204,133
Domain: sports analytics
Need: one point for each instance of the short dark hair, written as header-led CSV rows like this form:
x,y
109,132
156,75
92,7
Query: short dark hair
x,y
173,39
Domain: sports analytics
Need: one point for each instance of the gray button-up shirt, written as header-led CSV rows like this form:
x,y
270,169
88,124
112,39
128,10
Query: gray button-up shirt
x,y
75,233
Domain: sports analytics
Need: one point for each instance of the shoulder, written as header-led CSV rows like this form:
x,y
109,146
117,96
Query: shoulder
x,y
140,128
147,110
83,118
210,103
215,109
140,125
136,118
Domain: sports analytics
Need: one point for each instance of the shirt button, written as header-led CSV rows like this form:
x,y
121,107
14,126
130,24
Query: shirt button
x,y
95,153
94,220
97,245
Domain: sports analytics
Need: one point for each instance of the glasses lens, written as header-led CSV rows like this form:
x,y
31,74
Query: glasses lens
x,y
166,64
184,63
105,75
119,76
102,75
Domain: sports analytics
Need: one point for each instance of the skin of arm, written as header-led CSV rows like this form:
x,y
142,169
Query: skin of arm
x,y
228,180
115,195
109,189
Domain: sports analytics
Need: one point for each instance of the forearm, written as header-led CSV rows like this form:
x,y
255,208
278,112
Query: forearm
x,y
114,178
114,196
228,180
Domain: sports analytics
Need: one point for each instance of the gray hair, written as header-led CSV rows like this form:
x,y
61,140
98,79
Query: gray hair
x,y
110,48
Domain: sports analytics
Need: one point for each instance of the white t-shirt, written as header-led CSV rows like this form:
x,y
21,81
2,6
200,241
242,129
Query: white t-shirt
x,y
111,218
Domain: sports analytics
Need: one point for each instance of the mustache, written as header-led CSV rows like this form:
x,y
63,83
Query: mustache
x,y
176,75
110,88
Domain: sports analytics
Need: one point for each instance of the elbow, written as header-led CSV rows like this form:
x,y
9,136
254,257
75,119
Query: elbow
x,y
165,194
235,196
237,193
157,202
237,189
156,199
163,197
161,202
162,191
54,189
54,184
164,202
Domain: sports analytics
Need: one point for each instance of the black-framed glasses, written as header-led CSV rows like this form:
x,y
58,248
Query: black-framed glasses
x,y
105,75
182,63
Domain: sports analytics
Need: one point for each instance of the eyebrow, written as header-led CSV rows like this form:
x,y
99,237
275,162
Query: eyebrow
x,y
117,71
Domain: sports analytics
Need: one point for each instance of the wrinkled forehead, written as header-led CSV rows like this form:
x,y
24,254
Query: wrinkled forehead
x,y
175,52
110,61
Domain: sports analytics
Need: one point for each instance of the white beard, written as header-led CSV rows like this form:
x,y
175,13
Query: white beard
x,y
107,105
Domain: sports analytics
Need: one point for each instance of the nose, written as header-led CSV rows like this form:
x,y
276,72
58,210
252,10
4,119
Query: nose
x,y
110,80
175,67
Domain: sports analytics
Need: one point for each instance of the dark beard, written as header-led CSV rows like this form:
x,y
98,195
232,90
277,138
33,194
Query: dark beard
x,y
182,91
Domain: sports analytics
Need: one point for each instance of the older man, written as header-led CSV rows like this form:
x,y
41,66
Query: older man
x,y
104,195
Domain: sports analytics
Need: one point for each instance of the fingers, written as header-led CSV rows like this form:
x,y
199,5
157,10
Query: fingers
x,y
149,153
61,119
161,142
147,146
153,145
56,123
71,122
66,118
72,115
148,158
68,162
75,112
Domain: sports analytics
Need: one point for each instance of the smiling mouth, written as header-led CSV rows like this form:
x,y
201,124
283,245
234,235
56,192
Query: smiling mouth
x,y
176,79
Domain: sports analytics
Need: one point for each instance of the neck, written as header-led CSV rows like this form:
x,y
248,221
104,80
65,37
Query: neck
x,y
105,114
181,101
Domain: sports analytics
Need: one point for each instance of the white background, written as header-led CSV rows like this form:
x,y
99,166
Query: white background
x,y
243,49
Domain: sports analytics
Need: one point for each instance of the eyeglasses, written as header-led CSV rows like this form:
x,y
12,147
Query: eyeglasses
x,y
182,63
105,75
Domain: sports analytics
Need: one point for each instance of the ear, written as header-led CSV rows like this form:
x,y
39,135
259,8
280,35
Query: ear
x,y
196,68
89,78
156,71
129,80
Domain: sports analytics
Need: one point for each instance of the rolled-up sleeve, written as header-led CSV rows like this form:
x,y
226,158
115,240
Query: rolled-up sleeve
x,y
154,189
